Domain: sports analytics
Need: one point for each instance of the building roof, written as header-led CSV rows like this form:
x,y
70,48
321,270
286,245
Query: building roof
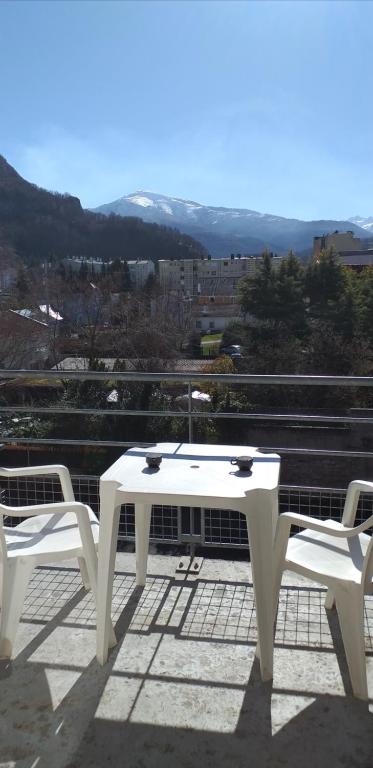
x,y
26,314
176,365
357,258
47,310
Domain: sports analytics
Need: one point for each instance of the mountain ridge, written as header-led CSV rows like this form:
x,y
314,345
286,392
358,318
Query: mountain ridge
x,y
365,223
36,225
222,229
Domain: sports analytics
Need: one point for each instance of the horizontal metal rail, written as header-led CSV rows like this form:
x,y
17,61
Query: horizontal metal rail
x,y
287,417
214,378
147,444
30,376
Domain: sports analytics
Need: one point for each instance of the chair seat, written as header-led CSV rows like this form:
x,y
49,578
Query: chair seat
x,y
329,556
47,534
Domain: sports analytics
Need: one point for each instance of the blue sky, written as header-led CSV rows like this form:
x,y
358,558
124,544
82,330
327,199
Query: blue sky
x,y
265,105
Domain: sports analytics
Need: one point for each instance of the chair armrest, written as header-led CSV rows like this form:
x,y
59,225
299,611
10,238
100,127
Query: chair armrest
x,y
287,519
362,485
49,469
57,508
352,499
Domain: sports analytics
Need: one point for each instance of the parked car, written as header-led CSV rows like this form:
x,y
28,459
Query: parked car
x,y
232,350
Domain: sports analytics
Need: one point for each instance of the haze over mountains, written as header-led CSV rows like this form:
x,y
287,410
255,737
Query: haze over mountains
x,y
226,230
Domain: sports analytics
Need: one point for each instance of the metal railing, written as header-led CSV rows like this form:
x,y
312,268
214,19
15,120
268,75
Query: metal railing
x,y
174,525
190,414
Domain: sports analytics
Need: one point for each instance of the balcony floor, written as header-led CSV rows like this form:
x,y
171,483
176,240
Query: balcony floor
x,y
182,687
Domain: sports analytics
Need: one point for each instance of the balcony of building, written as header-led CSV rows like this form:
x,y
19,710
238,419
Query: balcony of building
x,y
182,686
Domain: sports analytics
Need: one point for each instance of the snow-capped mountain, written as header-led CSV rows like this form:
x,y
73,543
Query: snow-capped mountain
x,y
365,223
225,230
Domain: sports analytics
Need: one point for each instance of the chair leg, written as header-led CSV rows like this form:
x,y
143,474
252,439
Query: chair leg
x,y
84,573
329,600
279,554
350,607
16,576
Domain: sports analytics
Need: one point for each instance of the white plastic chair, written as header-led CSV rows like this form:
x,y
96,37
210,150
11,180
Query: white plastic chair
x,y
51,532
339,556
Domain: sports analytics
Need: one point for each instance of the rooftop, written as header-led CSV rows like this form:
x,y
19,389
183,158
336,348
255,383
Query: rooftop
x,y
132,364
182,687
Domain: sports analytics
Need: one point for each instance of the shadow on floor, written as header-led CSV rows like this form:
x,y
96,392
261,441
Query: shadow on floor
x,y
60,709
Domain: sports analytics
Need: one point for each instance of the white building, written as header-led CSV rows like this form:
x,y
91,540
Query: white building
x,y
94,266
180,275
208,276
140,271
212,316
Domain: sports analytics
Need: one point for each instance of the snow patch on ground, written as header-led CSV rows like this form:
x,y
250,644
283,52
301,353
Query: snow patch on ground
x,y
146,202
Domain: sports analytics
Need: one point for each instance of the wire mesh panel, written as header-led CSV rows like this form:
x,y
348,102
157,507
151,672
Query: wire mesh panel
x,y
31,490
164,524
216,527
323,503
42,490
225,527
228,528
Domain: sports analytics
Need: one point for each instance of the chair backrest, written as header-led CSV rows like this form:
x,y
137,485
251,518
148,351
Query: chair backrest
x,y
354,490
50,469
351,504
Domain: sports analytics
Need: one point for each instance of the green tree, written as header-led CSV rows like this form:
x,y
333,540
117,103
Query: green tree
x,y
23,286
365,304
275,296
325,282
255,293
288,306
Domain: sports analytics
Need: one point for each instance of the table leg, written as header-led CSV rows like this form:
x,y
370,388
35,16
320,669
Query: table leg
x,y
142,527
260,524
107,547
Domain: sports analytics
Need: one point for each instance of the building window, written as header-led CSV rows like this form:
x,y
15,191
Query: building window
x,y
211,324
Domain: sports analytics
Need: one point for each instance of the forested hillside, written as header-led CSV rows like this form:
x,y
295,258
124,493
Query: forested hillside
x,y
38,225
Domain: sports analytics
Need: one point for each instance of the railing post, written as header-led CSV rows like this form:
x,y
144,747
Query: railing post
x,y
190,418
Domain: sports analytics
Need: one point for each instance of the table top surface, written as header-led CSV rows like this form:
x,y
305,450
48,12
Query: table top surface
x,y
196,470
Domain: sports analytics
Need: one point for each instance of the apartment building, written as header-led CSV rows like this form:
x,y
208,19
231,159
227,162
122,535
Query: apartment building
x,y
180,275
357,260
208,276
339,241
139,270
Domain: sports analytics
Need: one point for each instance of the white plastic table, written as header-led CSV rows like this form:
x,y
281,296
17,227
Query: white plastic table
x,y
196,476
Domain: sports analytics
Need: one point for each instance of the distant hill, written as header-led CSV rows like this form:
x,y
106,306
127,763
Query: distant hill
x,y
36,224
226,230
